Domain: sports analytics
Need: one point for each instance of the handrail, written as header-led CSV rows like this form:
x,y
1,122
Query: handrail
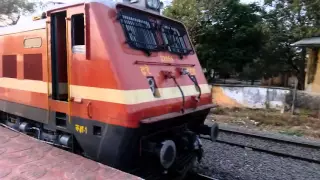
x,y
68,67
48,68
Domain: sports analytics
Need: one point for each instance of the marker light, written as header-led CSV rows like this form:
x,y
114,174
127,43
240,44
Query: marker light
x,y
153,86
153,4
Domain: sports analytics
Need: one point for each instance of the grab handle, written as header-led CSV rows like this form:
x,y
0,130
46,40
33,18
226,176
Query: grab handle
x,y
184,71
88,109
169,75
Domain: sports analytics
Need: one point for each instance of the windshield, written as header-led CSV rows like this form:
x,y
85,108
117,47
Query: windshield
x,y
176,39
149,34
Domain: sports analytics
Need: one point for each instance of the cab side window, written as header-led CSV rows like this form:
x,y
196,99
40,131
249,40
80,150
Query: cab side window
x,y
78,33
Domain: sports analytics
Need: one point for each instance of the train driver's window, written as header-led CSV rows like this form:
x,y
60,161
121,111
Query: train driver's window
x,y
78,33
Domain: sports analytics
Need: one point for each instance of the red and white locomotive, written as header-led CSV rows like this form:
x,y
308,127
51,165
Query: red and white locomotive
x,y
115,82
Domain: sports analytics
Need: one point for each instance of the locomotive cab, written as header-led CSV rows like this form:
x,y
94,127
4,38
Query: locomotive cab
x,y
119,84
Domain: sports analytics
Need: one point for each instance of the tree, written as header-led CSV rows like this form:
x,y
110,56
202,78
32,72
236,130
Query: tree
x,y
190,12
252,71
225,33
249,40
234,34
10,11
286,22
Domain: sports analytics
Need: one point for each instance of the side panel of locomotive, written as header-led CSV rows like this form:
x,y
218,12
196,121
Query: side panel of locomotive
x,y
57,88
92,113
138,113
23,74
85,88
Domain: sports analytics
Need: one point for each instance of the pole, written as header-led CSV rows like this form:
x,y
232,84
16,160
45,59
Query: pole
x,y
294,96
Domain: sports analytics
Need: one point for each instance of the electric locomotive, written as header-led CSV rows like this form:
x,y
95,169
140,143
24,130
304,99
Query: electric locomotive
x,y
115,82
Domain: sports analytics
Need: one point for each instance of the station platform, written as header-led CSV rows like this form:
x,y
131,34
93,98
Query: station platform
x,y
25,158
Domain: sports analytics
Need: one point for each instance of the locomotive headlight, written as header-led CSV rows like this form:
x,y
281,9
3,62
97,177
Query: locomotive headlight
x,y
153,4
153,86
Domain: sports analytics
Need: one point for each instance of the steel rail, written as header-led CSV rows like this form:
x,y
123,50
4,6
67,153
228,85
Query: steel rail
x,y
277,153
197,176
268,138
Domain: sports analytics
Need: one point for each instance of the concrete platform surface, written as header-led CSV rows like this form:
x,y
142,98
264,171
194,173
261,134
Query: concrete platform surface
x,y
25,158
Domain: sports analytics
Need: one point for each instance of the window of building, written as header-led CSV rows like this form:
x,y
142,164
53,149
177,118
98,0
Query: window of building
x,y
78,32
9,66
32,66
32,42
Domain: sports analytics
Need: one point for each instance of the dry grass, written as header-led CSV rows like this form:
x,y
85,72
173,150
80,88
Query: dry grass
x,y
302,124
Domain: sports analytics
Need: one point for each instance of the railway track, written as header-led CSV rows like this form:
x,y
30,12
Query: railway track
x,y
253,138
197,176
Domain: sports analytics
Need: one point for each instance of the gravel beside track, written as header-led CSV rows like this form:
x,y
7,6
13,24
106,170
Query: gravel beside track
x,y
225,162
286,148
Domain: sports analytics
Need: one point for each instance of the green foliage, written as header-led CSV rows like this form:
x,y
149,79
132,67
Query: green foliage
x,y
10,11
301,16
246,39
190,12
252,71
225,33
286,22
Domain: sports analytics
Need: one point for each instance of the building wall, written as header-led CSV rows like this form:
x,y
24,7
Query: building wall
x,y
249,97
312,81
230,96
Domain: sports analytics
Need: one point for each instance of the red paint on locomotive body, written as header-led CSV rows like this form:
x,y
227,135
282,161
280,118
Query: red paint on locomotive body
x,y
109,65
74,76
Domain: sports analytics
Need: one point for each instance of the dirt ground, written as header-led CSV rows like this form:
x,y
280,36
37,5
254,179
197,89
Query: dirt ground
x,y
303,123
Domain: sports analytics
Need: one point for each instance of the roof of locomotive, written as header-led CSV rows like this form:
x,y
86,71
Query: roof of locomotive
x,y
109,3
41,24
